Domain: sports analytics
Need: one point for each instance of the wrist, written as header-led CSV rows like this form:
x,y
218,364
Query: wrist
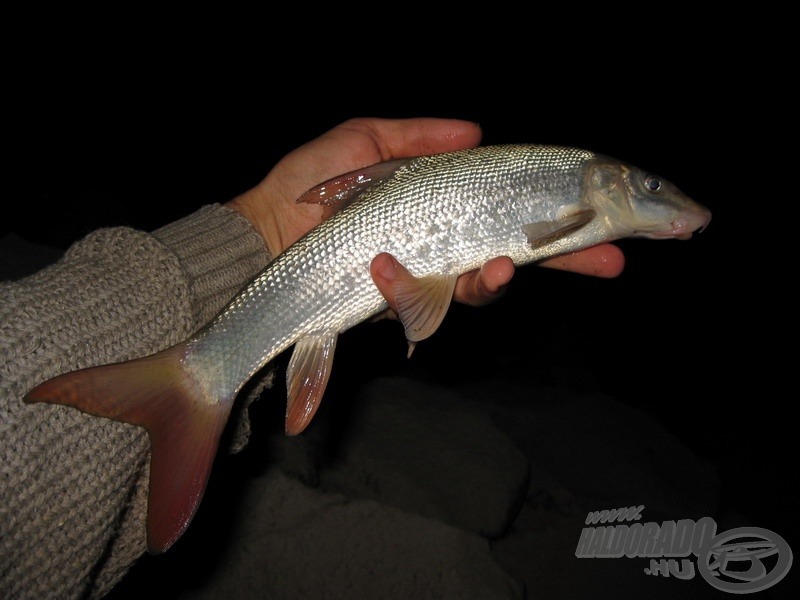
x,y
255,207
218,252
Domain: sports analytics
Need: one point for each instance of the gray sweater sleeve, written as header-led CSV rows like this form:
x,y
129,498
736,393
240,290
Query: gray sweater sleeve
x,y
73,487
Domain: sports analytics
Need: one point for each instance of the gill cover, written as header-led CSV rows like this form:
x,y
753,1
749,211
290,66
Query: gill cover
x,y
636,203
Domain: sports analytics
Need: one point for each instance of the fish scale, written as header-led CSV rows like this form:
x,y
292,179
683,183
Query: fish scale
x,y
439,216
285,301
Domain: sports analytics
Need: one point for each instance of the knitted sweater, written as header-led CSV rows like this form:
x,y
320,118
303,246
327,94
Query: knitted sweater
x,y
73,488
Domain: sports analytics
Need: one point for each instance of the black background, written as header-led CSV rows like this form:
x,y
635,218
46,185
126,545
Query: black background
x,y
700,334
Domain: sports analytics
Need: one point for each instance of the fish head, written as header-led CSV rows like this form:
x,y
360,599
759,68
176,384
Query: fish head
x,y
637,203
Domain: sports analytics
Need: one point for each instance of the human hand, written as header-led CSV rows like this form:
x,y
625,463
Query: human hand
x,y
273,209
487,284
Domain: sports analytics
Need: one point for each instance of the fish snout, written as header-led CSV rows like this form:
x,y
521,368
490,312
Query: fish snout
x,y
688,223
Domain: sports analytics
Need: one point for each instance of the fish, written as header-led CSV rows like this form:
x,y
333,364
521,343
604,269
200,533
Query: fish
x,y
438,215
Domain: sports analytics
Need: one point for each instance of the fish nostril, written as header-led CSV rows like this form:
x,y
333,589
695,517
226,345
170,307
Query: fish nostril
x,y
681,226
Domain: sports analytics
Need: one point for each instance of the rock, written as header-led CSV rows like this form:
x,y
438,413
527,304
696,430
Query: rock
x,y
291,541
429,451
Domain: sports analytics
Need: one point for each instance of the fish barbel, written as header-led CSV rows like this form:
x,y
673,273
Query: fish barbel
x,y
439,215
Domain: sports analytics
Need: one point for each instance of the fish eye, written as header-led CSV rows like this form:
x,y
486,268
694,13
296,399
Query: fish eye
x,y
653,183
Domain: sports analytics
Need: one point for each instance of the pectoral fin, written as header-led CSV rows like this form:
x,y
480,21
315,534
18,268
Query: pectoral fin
x,y
306,378
339,192
544,232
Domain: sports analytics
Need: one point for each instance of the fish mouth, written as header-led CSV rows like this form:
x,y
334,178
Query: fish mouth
x,y
685,225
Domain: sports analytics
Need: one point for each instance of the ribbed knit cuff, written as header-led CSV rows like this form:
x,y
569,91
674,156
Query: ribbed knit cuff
x,y
220,251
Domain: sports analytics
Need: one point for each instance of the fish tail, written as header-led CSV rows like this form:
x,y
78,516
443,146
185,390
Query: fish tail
x,y
184,428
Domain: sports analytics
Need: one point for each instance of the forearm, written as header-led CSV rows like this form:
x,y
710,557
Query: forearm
x,y
73,492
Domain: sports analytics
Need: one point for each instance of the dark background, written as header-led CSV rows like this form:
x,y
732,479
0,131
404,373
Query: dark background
x,y
699,334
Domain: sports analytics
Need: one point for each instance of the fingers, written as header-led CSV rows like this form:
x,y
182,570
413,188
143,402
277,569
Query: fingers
x,y
605,260
354,144
384,271
361,142
400,138
487,284
475,288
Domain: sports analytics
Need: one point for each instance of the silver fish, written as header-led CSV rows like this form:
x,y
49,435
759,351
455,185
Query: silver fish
x,y
439,216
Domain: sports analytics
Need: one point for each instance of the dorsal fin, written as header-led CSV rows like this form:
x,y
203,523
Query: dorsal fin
x,y
339,192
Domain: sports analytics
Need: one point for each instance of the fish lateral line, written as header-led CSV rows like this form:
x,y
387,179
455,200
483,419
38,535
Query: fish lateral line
x,y
421,304
171,398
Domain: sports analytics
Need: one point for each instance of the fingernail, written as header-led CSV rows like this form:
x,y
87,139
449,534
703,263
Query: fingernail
x,y
388,269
